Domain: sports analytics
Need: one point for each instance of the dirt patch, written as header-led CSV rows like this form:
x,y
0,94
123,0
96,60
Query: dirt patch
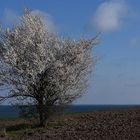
x,y
107,125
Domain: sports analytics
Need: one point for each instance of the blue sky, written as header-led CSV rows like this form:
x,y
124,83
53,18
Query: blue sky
x,y
116,77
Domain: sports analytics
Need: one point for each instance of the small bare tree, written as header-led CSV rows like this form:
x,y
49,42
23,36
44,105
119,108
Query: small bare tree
x,y
40,68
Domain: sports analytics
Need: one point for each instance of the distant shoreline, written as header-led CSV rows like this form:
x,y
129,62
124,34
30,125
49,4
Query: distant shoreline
x,y
7,111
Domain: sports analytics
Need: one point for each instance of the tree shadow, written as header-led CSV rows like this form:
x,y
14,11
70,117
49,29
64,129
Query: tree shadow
x,y
22,126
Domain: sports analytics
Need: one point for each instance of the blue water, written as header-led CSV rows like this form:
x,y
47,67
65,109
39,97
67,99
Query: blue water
x,y
89,108
10,112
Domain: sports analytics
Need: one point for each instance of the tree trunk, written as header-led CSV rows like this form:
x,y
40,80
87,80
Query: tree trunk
x,y
41,118
41,112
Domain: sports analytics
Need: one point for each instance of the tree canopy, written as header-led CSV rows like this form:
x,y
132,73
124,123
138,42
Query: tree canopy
x,y
40,68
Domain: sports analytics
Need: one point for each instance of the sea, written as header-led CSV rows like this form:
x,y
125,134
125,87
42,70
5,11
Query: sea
x,y
7,111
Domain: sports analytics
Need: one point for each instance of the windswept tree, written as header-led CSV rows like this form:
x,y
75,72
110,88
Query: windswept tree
x,y
41,69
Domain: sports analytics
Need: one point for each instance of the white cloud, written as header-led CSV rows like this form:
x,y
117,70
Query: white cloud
x,y
47,18
109,16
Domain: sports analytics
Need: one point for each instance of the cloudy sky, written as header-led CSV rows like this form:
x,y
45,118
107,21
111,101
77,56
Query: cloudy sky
x,y
116,77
